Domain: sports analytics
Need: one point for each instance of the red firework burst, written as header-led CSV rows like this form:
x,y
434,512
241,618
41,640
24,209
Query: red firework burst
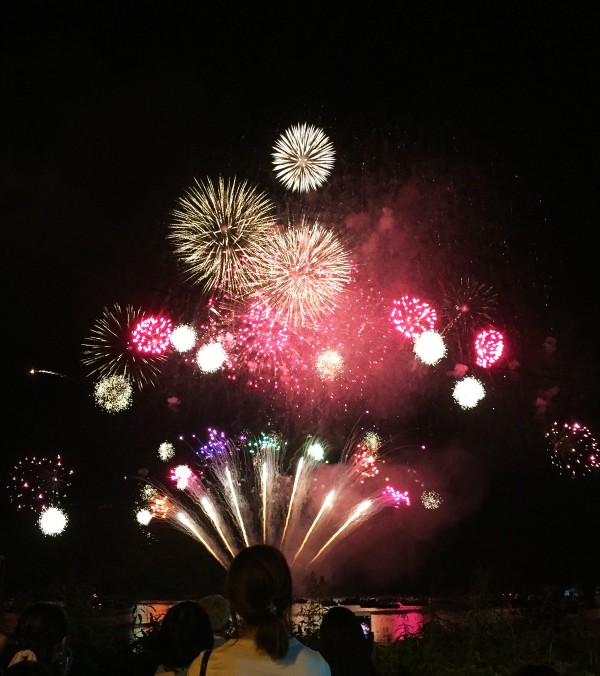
x,y
489,346
412,317
152,335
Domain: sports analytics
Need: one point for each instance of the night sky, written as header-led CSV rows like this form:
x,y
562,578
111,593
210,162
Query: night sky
x,y
477,128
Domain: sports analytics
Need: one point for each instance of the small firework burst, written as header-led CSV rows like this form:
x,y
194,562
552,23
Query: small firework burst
x,y
305,270
37,483
211,356
218,231
395,497
431,499
152,335
53,521
330,364
160,507
217,444
183,338
469,302
316,450
262,342
489,346
468,392
182,475
429,347
143,516
266,441
303,158
109,350
574,451
148,493
372,441
166,451
113,394
365,462
412,317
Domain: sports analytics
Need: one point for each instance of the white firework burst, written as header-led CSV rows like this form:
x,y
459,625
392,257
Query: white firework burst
x,y
303,158
304,272
217,234
113,394
52,521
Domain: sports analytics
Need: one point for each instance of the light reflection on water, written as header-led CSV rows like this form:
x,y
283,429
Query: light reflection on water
x,y
386,625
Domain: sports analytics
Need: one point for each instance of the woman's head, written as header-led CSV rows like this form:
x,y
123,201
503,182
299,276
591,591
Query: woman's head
x,y
184,632
259,586
343,644
43,628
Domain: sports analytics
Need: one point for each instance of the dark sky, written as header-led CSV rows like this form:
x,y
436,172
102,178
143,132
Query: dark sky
x,y
108,114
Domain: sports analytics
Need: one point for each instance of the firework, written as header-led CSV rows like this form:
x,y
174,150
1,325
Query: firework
x,y
166,451
468,302
211,356
113,394
574,451
316,450
152,335
372,441
429,347
244,497
143,516
303,158
148,493
217,444
365,461
38,483
183,338
218,232
330,364
411,316
431,499
395,497
262,343
109,350
489,346
182,475
52,521
304,271
468,392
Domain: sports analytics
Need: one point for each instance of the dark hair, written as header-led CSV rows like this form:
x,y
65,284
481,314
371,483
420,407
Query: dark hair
x,y
344,645
536,670
28,669
259,586
184,632
42,627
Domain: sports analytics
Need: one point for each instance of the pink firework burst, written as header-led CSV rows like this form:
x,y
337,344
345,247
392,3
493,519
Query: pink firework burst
x,y
395,497
365,462
152,335
574,451
412,316
489,346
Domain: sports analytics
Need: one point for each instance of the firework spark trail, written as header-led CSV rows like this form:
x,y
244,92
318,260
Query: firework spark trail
x,y
291,502
326,503
236,505
210,511
360,510
33,372
187,522
264,489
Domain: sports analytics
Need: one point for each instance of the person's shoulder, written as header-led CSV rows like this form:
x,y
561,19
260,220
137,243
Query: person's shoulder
x,y
313,659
